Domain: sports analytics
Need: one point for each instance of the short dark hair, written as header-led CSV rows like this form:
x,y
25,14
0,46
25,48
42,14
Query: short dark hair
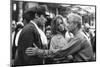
x,y
29,14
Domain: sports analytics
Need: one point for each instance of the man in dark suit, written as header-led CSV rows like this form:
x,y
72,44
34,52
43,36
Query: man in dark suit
x,y
28,36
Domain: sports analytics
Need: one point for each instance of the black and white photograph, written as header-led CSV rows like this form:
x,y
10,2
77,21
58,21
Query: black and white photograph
x,y
45,33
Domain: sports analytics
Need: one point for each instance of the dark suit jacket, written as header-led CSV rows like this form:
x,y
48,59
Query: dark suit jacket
x,y
28,36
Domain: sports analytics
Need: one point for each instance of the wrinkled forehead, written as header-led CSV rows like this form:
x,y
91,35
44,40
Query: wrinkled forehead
x,y
74,17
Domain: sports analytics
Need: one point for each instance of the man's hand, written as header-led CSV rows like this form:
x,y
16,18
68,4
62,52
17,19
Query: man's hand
x,y
41,53
70,57
30,51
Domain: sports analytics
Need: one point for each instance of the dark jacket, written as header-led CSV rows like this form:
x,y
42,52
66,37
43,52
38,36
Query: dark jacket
x,y
28,36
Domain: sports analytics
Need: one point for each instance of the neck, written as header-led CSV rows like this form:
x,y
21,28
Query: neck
x,y
34,20
76,31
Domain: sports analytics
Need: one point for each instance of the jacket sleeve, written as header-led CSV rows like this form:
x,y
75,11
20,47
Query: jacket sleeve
x,y
75,47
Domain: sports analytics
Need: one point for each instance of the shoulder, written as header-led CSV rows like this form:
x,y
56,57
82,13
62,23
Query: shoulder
x,y
29,27
85,41
78,39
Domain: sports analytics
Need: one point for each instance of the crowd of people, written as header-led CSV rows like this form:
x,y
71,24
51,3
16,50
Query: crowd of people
x,y
41,40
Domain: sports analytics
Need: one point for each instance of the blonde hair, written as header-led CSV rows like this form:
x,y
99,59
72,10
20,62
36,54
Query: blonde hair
x,y
54,26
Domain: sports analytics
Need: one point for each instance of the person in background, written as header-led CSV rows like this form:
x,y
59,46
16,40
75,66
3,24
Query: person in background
x,y
89,35
13,27
48,21
87,31
29,36
18,30
48,34
93,42
13,30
